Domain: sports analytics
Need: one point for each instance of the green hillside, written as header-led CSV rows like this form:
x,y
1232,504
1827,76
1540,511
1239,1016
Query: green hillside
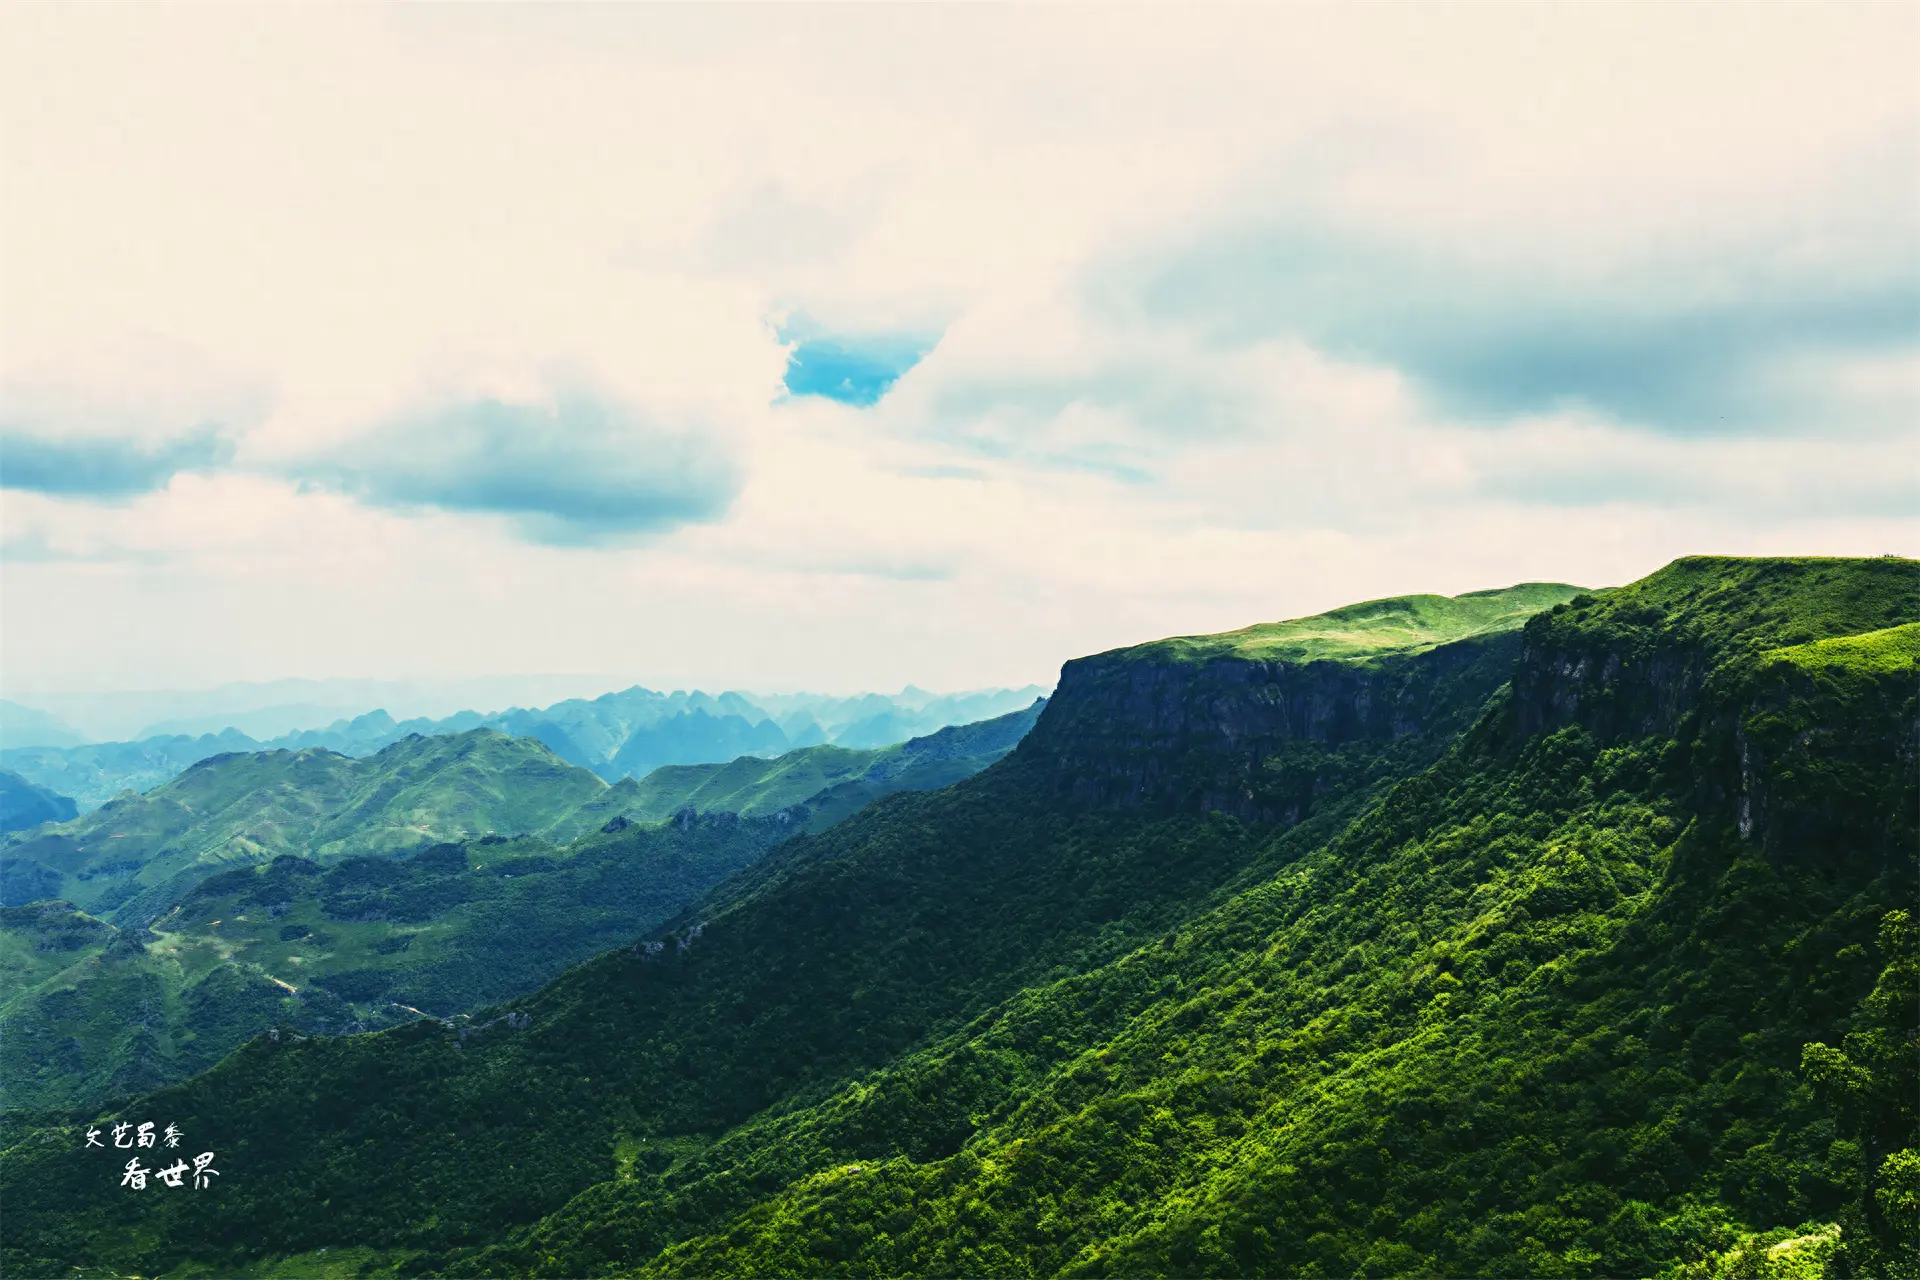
x,y
750,784
1356,632
136,855
829,782
1890,650
92,1012
40,941
1617,980
23,805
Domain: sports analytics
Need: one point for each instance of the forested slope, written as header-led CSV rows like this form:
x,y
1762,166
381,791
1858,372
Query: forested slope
x,y
820,785
1504,979
1545,1011
136,856
90,1012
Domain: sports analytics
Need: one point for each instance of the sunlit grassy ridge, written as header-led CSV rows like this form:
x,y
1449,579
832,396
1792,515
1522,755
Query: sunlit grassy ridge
x,y
1888,650
1376,628
1740,607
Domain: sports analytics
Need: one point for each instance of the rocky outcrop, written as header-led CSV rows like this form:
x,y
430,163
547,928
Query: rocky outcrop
x,y
1617,682
1815,764
1800,764
1255,739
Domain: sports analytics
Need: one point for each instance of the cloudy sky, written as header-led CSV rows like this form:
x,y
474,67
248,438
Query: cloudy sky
x,y
840,347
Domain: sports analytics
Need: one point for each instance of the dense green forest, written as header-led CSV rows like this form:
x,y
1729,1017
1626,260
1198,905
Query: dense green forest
x,y
1562,935
93,1012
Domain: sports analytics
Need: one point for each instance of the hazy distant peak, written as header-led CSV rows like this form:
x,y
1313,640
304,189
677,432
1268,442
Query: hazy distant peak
x,y
25,727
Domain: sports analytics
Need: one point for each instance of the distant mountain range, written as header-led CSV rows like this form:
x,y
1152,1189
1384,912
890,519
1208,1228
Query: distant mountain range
x,y
616,735
23,727
267,709
825,783
142,942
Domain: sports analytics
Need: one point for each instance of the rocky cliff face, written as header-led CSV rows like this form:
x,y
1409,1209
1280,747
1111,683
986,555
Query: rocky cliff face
x,y
1814,765
1270,741
1617,682
1261,740
1614,694
1801,763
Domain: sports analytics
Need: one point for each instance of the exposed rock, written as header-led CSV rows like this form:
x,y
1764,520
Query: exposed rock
x,y
1125,731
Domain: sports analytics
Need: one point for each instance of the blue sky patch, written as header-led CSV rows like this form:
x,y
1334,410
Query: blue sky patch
x,y
853,369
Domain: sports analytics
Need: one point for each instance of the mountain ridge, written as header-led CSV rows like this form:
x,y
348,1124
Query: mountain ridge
x,y
1536,1004
625,733
830,781
244,808
24,806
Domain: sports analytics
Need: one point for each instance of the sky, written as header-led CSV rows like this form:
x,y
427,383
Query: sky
x,y
841,347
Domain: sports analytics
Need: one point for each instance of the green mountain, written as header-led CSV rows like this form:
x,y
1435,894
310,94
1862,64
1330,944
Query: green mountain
x,y
1577,949
826,782
94,774
207,958
23,805
625,734
92,1012
135,856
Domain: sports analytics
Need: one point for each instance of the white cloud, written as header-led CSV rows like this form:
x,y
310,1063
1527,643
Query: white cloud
x,y
352,212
